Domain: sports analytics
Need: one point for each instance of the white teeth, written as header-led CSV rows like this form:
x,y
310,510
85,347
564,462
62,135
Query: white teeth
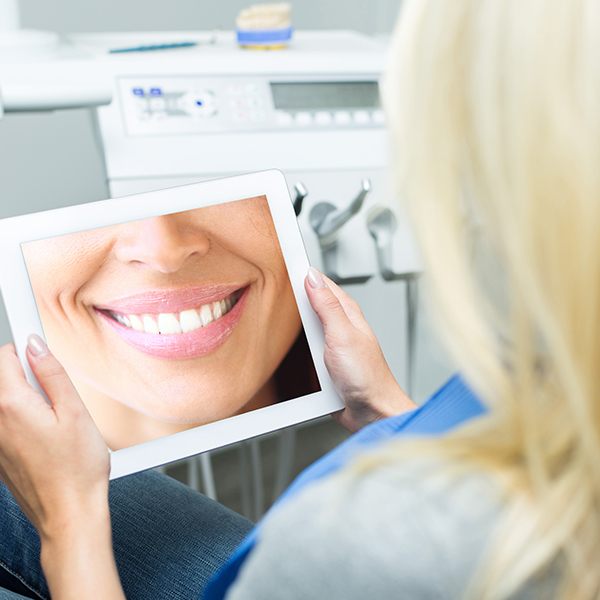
x,y
123,320
190,320
205,315
172,323
168,323
150,325
136,323
217,310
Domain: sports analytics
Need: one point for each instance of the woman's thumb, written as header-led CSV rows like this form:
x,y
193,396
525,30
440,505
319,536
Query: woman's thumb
x,y
49,372
326,304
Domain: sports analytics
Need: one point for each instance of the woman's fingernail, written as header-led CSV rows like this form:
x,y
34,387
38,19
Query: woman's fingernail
x,y
36,345
315,279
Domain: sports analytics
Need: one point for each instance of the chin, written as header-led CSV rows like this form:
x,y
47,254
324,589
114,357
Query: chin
x,y
189,415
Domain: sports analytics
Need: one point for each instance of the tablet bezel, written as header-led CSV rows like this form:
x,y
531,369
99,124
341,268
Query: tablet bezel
x,y
24,319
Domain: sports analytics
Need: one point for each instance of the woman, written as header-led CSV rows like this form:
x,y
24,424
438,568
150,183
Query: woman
x,y
150,318
494,109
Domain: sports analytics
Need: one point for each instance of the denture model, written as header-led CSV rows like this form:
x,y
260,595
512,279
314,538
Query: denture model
x,y
265,26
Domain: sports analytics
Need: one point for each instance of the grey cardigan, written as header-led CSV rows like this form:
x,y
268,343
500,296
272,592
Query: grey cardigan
x,y
399,531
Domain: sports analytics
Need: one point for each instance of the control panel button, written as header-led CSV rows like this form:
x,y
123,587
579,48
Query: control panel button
x,y
361,117
303,118
256,115
378,116
253,102
156,104
237,103
203,103
342,117
208,111
323,117
283,118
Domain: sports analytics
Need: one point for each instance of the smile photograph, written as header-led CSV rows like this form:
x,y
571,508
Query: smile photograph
x,y
175,321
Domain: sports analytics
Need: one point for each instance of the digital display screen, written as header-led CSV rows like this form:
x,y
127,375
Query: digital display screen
x,y
161,312
325,95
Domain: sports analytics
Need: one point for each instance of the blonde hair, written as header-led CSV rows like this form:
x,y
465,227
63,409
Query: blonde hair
x,y
494,107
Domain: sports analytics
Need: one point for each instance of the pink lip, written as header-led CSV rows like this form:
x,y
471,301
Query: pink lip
x,y
193,344
169,301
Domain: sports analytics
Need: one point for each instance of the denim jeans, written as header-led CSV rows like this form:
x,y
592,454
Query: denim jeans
x,y
168,540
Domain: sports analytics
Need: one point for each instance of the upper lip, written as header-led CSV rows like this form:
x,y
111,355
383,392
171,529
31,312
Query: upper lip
x,y
169,300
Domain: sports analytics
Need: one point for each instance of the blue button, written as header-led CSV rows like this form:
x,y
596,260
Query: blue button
x,y
137,91
156,91
199,102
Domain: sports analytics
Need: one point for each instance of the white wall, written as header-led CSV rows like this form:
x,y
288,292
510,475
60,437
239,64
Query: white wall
x,y
52,160
67,16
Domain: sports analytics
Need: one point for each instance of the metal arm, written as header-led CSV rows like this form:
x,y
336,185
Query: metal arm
x,y
382,225
301,193
326,220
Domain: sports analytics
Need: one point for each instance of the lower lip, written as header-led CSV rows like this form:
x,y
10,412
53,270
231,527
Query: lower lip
x,y
178,346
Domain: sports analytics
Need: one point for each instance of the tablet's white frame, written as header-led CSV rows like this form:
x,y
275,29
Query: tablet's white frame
x,y
24,318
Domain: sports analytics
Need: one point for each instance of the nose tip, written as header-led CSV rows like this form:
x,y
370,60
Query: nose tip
x,y
167,260
163,244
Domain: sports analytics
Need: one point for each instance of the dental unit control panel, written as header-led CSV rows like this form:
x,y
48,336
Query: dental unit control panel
x,y
195,105
312,110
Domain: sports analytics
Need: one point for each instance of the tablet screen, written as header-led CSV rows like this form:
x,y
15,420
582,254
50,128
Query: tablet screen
x,y
171,322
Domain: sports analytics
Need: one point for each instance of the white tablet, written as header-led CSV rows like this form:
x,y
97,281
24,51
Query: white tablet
x,y
180,315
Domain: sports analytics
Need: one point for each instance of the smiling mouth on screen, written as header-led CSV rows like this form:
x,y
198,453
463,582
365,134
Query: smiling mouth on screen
x,y
176,324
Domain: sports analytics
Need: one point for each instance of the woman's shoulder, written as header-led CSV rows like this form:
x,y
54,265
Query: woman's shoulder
x,y
415,528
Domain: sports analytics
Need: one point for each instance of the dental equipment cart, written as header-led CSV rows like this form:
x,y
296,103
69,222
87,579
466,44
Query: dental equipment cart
x,y
313,111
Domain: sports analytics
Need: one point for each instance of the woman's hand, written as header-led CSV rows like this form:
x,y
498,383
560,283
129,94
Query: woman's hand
x,y
56,464
353,357
52,457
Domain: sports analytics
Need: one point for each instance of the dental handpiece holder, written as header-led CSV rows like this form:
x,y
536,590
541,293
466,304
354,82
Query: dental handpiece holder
x,y
382,225
327,220
300,193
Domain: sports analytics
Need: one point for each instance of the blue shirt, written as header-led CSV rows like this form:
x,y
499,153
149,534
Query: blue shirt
x,y
450,406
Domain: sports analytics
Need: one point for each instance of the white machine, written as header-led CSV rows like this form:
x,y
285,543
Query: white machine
x,y
313,111
212,109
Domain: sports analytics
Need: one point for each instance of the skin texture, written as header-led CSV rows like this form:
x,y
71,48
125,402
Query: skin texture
x,y
133,396
61,481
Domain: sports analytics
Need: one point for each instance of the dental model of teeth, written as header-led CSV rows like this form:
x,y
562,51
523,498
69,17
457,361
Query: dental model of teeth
x,y
265,16
181,322
265,26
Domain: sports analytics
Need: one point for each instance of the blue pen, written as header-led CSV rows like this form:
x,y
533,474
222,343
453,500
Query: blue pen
x,y
153,47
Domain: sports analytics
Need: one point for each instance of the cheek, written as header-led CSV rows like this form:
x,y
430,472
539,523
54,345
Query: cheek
x,y
48,283
57,278
284,317
275,267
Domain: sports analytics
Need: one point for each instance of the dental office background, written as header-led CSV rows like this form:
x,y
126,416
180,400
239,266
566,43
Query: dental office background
x,y
49,160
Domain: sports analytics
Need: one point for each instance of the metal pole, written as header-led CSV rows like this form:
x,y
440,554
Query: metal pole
x,y
411,330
